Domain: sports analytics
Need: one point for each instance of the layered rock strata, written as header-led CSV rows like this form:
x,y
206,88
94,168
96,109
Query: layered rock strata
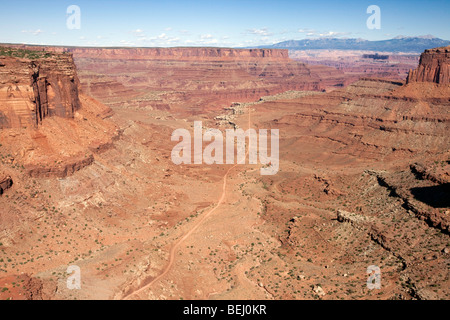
x,y
434,66
34,89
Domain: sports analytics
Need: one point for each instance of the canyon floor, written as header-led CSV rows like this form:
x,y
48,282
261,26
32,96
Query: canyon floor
x,y
363,181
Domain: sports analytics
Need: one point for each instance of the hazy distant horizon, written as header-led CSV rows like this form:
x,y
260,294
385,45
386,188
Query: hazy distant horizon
x,y
197,46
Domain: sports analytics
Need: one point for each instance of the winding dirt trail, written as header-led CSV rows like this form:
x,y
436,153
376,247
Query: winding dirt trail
x,y
177,243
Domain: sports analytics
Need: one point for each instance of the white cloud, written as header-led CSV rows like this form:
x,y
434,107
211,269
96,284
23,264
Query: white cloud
x,y
127,43
92,43
206,36
161,40
170,40
314,33
260,32
306,30
33,32
203,42
333,34
210,41
138,33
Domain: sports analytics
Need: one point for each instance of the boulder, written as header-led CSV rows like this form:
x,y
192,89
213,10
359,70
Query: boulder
x,y
5,183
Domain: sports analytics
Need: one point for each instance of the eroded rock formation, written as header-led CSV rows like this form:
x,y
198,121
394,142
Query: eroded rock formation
x,y
373,154
194,78
33,89
434,66
187,53
38,85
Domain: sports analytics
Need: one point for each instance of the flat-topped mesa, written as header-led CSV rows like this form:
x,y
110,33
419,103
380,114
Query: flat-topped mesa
x,y
434,66
35,85
181,53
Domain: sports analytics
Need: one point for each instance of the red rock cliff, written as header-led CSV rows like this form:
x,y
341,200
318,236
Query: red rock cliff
x,y
35,87
196,54
434,66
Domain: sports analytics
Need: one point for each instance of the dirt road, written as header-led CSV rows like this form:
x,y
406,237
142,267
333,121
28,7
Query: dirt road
x,y
177,243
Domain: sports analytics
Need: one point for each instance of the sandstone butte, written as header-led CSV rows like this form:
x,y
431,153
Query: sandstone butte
x,y
36,86
434,66
32,90
363,177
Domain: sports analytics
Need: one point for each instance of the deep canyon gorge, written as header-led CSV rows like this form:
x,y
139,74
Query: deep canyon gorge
x,y
86,177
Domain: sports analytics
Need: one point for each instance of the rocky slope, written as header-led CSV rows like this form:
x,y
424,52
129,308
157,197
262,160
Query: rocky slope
x,y
43,127
434,66
48,130
383,148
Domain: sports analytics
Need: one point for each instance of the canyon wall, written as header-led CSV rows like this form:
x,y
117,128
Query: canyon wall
x,y
357,64
190,79
32,89
193,53
434,66
178,53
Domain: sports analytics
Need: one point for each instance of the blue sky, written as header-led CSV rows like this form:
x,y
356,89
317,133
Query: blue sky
x,y
225,23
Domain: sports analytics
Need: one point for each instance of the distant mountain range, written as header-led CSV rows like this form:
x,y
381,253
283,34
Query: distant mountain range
x,y
398,44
